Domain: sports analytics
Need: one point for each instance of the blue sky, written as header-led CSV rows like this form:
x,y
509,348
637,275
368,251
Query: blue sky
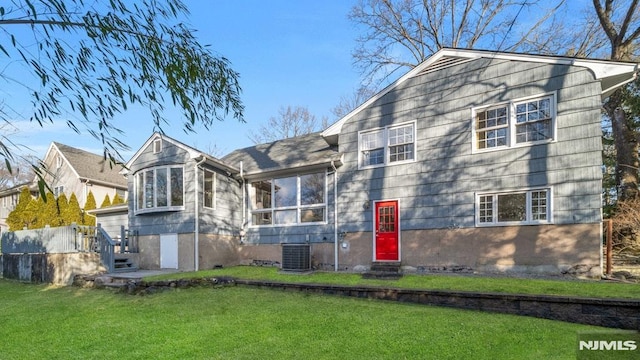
x,y
294,53
288,53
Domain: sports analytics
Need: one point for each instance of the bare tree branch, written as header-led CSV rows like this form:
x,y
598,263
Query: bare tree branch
x,y
403,33
290,122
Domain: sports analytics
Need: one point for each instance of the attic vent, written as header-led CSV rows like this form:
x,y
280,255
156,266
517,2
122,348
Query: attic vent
x,y
444,63
157,146
296,257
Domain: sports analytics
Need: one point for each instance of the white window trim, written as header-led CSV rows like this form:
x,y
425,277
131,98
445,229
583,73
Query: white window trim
x,y
529,220
298,207
156,208
214,189
511,123
385,135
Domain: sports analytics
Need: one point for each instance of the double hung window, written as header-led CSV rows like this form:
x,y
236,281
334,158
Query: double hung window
x,y
385,146
516,123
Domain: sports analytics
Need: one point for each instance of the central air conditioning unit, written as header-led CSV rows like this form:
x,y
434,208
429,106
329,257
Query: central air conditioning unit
x,y
296,257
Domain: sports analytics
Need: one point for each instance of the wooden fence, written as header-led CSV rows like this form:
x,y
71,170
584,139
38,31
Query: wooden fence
x,y
21,249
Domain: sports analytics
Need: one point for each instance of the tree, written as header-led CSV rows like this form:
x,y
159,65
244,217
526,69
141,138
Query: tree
x,y
403,33
117,200
95,59
48,212
16,218
72,213
349,103
106,201
290,122
63,208
31,213
90,204
20,172
620,21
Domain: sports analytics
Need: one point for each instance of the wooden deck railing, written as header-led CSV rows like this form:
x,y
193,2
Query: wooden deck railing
x,y
71,239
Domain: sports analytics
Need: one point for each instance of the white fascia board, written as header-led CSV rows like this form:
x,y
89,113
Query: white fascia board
x,y
602,69
135,156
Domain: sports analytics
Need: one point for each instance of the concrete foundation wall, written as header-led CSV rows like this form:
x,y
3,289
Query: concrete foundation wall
x,y
149,252
548,249
59,269
149,255
322,255
218,250
213,250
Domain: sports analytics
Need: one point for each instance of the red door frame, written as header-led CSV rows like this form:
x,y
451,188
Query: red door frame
x,y
386,238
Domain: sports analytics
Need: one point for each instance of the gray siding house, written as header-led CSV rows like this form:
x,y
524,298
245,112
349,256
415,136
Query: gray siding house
x,y
473,160
185,206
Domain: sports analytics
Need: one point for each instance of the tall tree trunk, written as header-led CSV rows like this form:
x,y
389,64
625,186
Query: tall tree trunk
x,y
626,143
622,37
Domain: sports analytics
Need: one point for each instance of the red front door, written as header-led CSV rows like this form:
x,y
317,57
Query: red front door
x,y
386,238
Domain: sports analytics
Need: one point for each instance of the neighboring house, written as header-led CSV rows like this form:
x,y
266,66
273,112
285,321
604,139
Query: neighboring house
x,y
9,199
71,170
112,218
473,160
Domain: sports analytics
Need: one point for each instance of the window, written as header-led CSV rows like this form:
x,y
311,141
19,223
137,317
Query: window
x,y
289,200
122,194
159,188
389,145
57,191
515,123
157,146
514,208
533,120
209,189
492,127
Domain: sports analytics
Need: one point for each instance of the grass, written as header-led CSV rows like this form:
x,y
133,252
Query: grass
x,y
38,322
580,288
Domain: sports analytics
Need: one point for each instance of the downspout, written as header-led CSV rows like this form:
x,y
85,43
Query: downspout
x,y
196,230
244,209
335,215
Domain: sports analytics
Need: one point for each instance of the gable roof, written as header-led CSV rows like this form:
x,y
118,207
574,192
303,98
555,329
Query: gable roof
x,y
295,154
16,189
89,166
612,74
193,154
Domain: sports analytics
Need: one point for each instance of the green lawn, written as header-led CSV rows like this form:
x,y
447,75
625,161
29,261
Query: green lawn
x,y
41,322
582,288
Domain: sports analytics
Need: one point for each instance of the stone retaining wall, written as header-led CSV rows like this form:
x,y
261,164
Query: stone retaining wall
x,y
612,313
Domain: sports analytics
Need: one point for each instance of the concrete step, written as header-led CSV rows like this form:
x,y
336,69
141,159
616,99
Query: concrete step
x,y
384,271
393,267
123,264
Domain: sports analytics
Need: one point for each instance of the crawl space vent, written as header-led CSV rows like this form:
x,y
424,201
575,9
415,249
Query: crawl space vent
x,y
296,257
